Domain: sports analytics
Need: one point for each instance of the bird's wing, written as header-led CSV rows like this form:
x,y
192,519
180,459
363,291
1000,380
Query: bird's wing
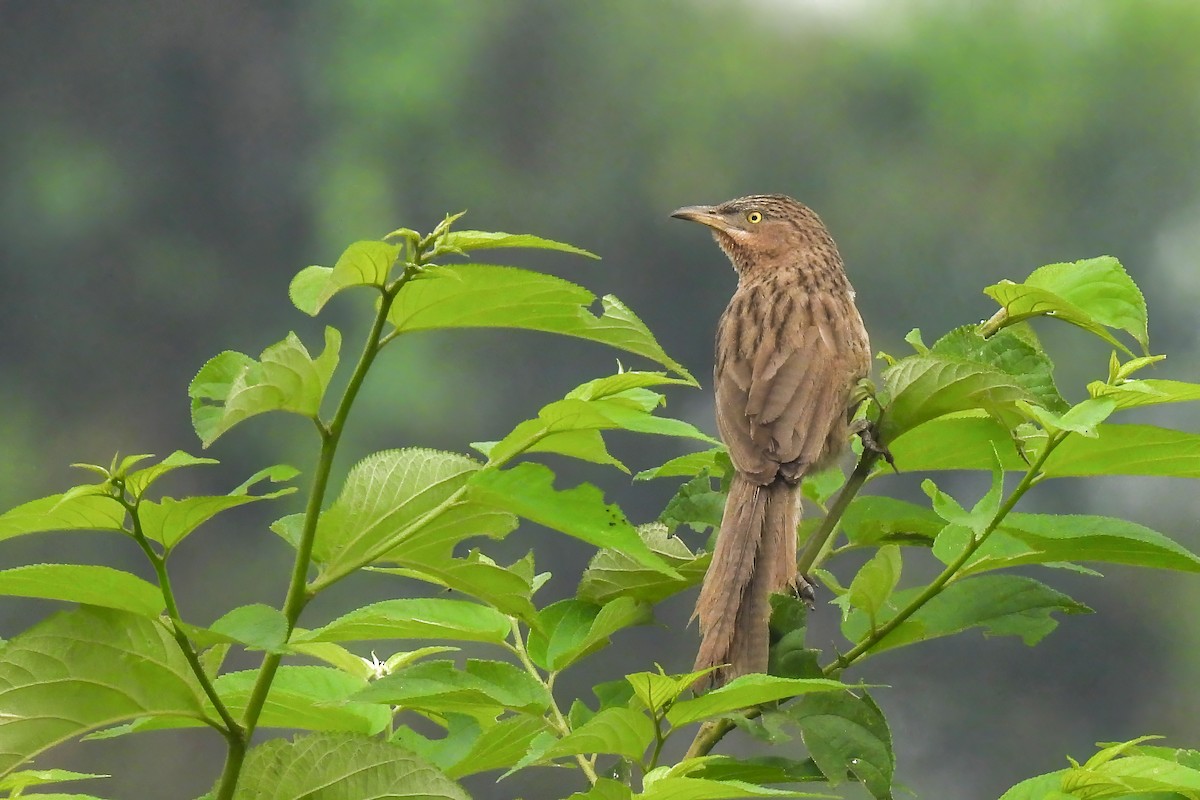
x,y
785,364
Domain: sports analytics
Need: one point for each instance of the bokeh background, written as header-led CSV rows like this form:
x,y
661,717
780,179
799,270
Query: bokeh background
x,y
165,168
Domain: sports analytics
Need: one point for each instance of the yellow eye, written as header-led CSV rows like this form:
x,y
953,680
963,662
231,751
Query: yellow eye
x,y
754,217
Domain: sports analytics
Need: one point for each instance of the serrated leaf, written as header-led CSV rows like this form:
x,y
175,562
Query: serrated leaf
x,y
656,690
873,584
611,574
574,628
748,690
482,295
696,504
340,767
466,241
620,731
168,521
415,618
509,589
1149,392
759,770
498,746
1049,538
136,483
232,387
1003,605
848,735
365,263
1094,294
257,626
61,513
605,404
84,583
307,697
481,688
527,490
1082,418
1011,351
391,498
605,789
687,788
872,519
923,388
715,461
82,670
17,781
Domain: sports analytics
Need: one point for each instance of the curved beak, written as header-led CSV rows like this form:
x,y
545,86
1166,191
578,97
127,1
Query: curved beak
x,y
705,215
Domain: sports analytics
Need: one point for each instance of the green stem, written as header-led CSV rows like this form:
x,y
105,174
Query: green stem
x,y
298,593
559,720
1032,475
816,542
229,728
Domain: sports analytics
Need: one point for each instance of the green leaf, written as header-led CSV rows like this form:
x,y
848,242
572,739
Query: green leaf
x,y
957,442
696,505
1127,450
1081,418
764,769
528,491
18,781
466,241
923,388
307,697
848,735
82,583
509,589
481,688
498,746
1049,538
415,618
340,767
365,263
169,521
618,402
680,787
391,498
873,584
611,574
656,690
1094,294
257,626
870,520
81,670
59,512
136,483
232,387
1014,352
1003,605
715,461
748,690
485,296
1043,787
620,731
574,629
605,789
1149,392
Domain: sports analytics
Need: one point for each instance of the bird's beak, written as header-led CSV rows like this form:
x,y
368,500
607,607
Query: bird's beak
x,y
705,215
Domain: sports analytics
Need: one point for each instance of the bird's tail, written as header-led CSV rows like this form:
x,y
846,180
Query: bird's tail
x,y
755,556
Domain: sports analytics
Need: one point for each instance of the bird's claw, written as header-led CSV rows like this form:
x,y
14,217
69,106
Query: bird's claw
x,y
867,432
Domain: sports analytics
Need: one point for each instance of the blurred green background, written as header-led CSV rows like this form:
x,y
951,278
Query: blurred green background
x,y
166,168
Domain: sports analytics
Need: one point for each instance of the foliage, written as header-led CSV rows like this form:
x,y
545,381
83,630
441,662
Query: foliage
x,y
980,398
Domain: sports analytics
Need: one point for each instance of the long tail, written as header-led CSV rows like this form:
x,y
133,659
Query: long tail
x,y
755,556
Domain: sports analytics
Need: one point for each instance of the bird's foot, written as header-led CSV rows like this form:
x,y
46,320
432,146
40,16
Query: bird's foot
x,y
804,589
867,432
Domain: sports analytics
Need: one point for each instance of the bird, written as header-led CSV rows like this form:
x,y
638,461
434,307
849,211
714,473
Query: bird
x,y
790,349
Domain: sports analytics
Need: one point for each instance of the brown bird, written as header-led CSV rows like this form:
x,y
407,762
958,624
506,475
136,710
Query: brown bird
x,y
790,349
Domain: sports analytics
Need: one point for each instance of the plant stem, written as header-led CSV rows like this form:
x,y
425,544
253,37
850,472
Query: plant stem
x,y
816,542
298,594
229,728
559,720
948,574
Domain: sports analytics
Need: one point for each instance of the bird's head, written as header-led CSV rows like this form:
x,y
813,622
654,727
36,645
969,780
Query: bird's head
x,y
763,231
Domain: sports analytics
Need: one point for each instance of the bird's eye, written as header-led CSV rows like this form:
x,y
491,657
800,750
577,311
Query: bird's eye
x,y
754,217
